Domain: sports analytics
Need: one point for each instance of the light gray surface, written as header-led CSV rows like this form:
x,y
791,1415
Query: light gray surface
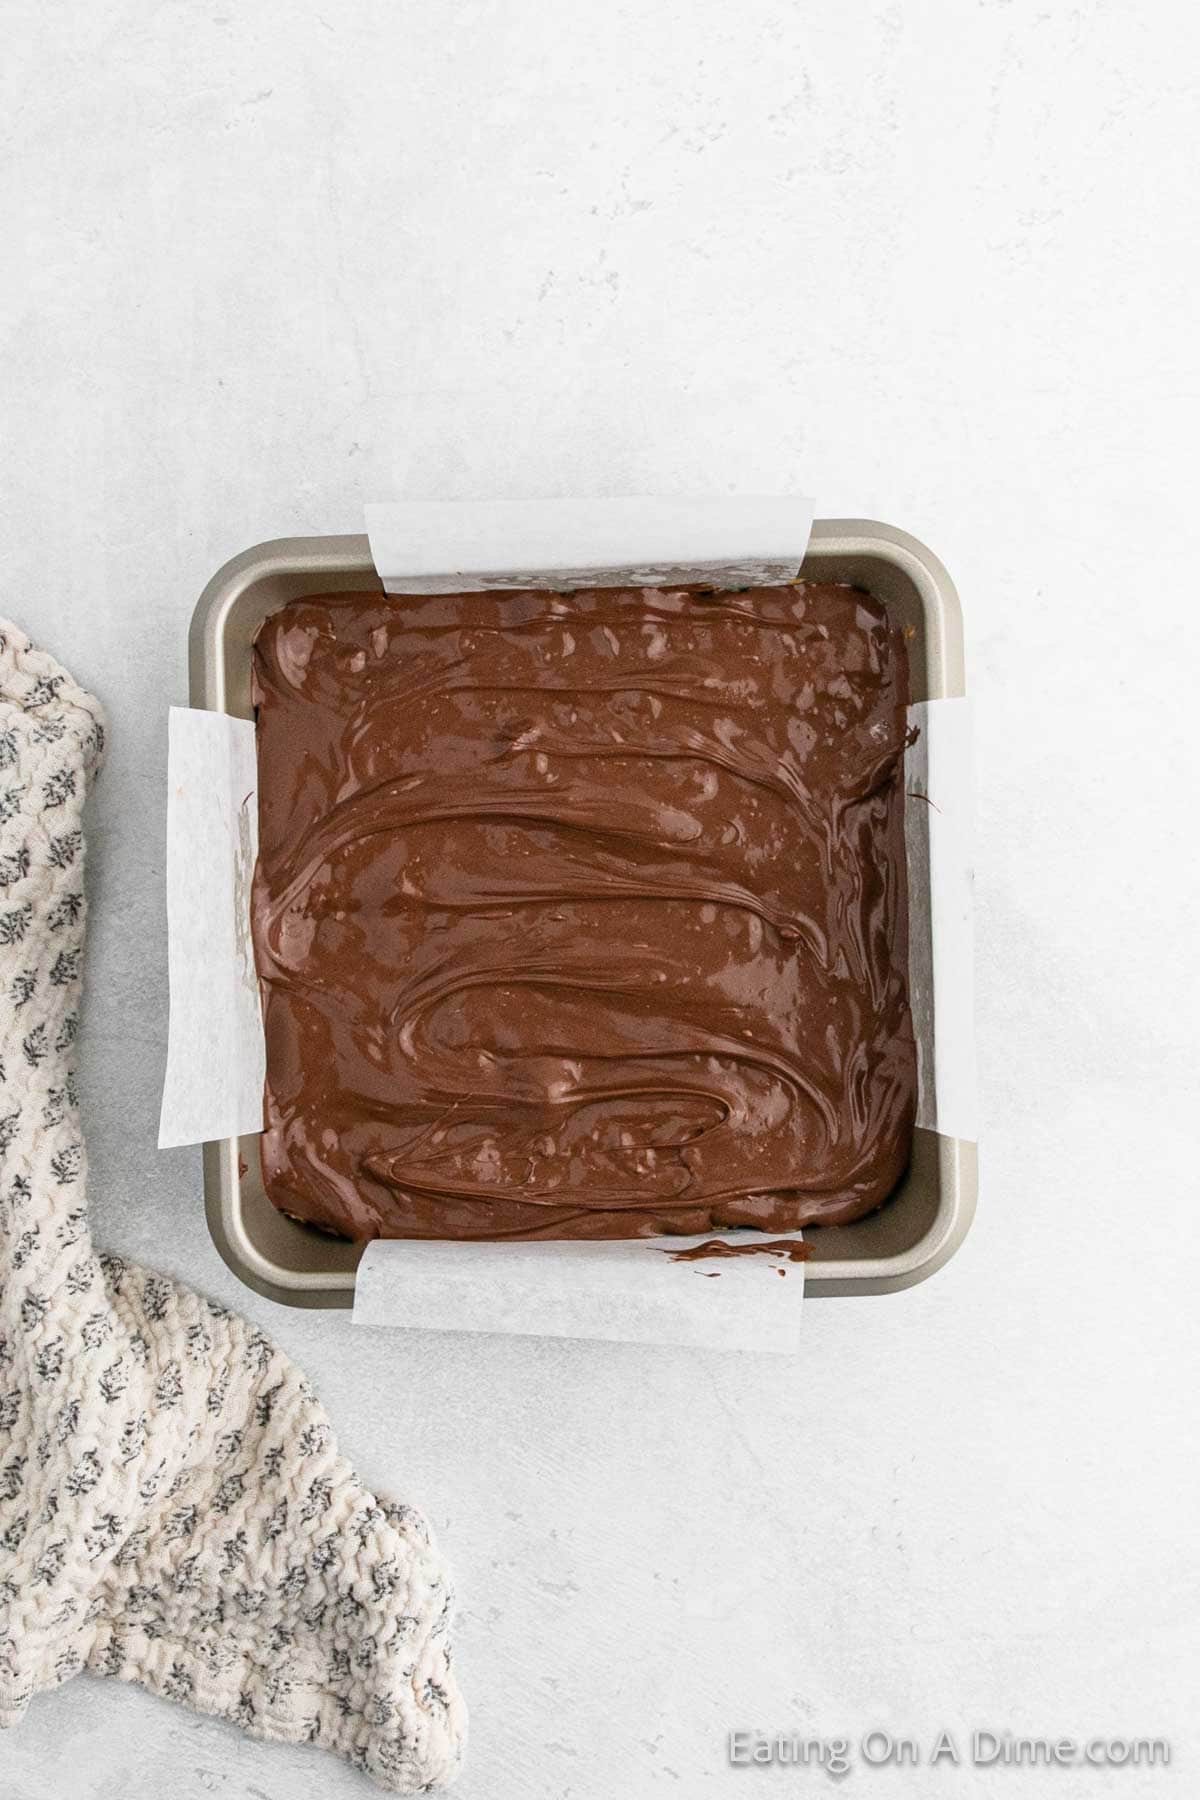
x,y
936,263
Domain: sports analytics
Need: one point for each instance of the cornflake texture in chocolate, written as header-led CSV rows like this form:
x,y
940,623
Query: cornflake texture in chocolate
x,y
583,915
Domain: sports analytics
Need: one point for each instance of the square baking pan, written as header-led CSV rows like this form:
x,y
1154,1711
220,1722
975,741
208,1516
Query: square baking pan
x,y
927,1217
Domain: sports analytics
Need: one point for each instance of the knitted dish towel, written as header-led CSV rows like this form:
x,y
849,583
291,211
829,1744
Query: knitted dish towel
x,y
173,1507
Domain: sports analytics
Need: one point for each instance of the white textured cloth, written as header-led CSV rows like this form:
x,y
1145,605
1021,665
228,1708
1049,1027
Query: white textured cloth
x,y
173,1507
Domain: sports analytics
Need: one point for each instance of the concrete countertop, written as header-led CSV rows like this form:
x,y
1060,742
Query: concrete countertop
x,y
933,264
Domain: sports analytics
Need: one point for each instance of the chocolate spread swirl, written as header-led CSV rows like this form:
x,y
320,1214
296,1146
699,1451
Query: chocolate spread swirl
x,y
582,915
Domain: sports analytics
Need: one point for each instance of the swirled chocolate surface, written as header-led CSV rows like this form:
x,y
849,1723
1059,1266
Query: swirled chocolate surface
x,y
582,915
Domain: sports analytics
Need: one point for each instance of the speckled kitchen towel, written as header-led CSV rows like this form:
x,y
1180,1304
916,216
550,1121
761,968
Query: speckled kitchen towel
x,y
173,1507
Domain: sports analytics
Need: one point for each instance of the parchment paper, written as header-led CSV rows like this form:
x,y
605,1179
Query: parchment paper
x,y
216,1059
939,806
455,546
627,1292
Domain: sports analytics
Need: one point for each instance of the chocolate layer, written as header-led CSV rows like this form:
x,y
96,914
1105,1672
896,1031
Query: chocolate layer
x,y
583,915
